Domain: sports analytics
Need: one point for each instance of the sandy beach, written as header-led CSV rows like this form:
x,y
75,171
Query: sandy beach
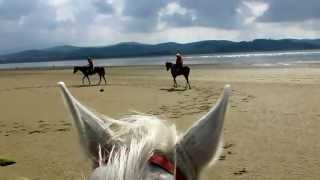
x,y
271,129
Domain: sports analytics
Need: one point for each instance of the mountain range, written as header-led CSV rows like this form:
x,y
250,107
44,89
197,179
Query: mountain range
x,y
134,49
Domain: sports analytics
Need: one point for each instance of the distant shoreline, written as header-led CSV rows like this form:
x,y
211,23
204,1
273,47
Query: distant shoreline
x,y
170,55
133,49
198,66
257,59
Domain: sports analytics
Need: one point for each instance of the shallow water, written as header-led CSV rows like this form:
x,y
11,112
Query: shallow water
x,y
283,58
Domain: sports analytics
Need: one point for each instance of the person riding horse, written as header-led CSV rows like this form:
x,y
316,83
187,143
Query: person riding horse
x,y
179,62
178,69
89,70
90,64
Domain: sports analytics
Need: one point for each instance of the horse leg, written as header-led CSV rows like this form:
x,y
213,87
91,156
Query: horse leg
x,y
105,81
99,79
187,79
89,80
83,80
175,82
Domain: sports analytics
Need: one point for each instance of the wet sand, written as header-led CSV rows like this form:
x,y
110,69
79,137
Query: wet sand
x,y
271,129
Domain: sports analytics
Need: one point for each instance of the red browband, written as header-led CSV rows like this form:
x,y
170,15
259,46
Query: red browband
x,y
164,163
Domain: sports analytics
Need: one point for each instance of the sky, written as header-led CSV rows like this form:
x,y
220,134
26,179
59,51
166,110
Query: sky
x,y
36,24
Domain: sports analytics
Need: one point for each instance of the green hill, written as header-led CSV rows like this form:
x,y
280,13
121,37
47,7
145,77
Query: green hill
x,y
133,49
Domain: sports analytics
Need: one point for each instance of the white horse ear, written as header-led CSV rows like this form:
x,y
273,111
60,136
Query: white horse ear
x,y
93,131
201,142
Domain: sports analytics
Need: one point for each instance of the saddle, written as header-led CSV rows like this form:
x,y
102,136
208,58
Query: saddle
x,y
90,71
178,69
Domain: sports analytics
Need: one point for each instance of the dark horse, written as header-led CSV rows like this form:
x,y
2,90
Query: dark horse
x,y
176,72
86,72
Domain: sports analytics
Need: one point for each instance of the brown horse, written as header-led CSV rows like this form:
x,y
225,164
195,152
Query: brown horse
x,y
185,71
87,72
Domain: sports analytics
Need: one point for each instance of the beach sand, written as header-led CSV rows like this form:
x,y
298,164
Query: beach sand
x,y
271,130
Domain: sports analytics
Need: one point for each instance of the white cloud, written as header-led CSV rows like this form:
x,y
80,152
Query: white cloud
x,y
251,10
43,23
291,10
174,15
173,8
257,8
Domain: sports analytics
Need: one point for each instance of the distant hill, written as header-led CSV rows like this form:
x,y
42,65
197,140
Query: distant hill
x,y
133,49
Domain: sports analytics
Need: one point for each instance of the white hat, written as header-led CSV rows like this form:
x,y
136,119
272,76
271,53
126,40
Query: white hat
x,y
178,54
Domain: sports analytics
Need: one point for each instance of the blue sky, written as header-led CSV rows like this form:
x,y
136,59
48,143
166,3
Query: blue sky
x,y
28,24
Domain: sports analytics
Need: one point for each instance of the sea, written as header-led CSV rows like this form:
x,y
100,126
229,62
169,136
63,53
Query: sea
x,y
263,59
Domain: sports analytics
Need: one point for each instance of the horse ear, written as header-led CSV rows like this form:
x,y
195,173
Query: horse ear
x,y
93,131
201,142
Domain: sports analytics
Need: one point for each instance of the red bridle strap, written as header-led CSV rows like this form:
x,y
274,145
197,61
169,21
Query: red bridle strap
x,y
167,165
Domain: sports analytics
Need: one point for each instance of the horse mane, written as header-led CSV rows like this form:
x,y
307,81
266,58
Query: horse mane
x,y
136,138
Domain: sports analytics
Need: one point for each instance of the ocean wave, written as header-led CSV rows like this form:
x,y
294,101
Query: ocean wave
x,y
266,54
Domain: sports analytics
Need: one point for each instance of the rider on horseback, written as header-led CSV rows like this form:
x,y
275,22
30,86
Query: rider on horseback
x,y
90,64
179,62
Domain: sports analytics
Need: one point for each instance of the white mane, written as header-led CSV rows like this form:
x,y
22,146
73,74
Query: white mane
x,y
136,138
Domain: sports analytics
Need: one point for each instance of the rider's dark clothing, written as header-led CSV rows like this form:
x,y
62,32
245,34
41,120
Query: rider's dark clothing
x,y
90,64
179,63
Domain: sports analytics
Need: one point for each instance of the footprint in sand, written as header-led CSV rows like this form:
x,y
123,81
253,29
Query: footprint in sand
x,y
45,127
204,107
229,152
233,106
241,172
228,145
62,129
66,124
222,158
245,99
35,132
164,108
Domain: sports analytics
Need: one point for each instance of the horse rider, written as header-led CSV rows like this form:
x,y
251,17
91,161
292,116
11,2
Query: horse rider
x,y
90,64
179,62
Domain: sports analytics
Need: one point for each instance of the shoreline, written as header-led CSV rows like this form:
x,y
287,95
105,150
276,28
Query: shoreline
x,y
212,66
273,59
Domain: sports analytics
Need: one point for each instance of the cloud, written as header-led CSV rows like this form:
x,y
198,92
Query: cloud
x,y
104,6
14,9
141,15
175,15
206,13
291,11
143,8
43,23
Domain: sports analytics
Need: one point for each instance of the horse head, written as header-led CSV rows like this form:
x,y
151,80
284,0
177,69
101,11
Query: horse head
x,y
168,65
75,69
144,147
